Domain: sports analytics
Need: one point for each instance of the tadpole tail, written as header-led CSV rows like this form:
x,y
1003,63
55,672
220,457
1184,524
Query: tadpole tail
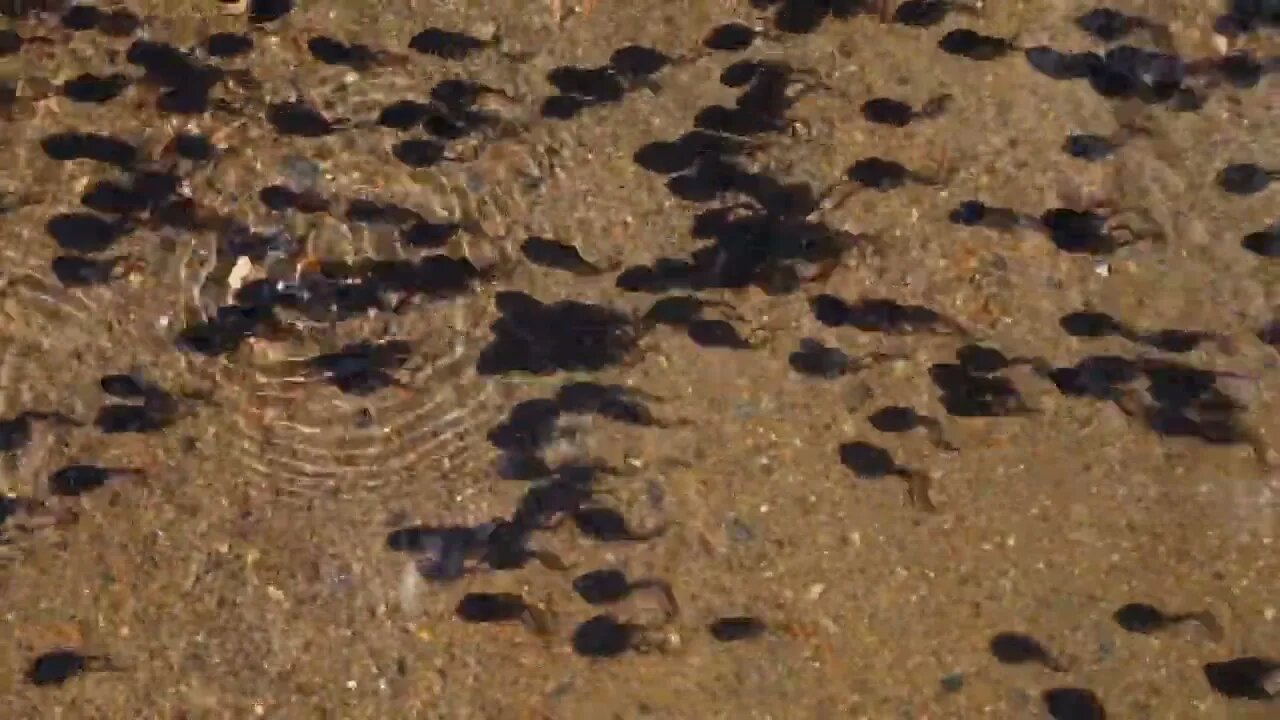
x,y
1054,664
936,435
55,418
1204,619
671,607
550,560
1262,450
538,620
1038,365
101,663
934,106
650,534
870,360
918,486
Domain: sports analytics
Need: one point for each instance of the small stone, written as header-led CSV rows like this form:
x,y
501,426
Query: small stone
x,y
739,531
411,589
1221,43
485,31
240,272
1106,647
300,174
1271,682
857,395
656,494
952,683
670,641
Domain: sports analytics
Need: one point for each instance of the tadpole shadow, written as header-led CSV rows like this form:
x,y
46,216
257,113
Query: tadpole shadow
x,y
1242,677
802,17
686,312
556,255
567,335
87,233
328,291
872,462
1094,324
95,89
973,45
1242,17
928,13
448,553
76,480
268,11
1011,648
764,232
882,315
82,17
973,386
579,88
68,146
185,83
1069,703
147,407
228,45
1154,77
1179,400
332,51
298,118
16,431
360,368
447,44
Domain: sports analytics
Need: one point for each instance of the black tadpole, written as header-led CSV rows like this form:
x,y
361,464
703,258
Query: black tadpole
x,y
1019,649
58,666
1145,619
1245,178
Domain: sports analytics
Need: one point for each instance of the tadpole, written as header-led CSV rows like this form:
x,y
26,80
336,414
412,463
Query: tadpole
x,y
74,480
871,462
16,432
1245,178
486,607
736,628
609,586
901,419
58,666
605,636
557,255
896,113
1146,619
1018,649
973,45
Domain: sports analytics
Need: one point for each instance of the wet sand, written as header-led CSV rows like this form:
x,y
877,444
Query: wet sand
x,y
256,563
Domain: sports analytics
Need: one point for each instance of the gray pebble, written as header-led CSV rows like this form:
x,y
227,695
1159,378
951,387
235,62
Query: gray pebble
x,y
952,683
656,494
1106,646
739,531
1271,682
300,173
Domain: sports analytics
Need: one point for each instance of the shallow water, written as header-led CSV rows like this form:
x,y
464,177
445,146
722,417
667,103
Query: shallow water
x,y
310,512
